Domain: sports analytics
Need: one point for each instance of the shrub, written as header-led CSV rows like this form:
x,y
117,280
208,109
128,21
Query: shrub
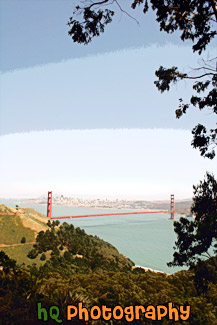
x,y
23,240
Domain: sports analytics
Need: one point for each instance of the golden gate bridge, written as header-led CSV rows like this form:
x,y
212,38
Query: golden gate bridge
x,y
171,211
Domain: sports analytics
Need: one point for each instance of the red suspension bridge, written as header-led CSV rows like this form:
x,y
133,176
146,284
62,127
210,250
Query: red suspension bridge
x,y
171,211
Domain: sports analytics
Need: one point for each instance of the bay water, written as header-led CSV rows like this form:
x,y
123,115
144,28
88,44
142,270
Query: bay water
x,y
147,239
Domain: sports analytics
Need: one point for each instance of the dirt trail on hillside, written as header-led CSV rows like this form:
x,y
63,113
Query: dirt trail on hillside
x,y
11,245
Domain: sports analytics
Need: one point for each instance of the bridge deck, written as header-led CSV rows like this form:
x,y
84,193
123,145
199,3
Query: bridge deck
x,y
117,214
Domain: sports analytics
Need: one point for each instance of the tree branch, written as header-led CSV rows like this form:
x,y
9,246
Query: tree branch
x,y
214,7
126,12
97,3
204,68
213,261
203,75
107,2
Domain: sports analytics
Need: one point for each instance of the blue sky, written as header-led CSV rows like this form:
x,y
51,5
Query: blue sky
x,y
88,120
35,32
110,90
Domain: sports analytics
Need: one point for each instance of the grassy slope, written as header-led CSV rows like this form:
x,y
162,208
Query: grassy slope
x,y
19,253
14,227
12,230
28,223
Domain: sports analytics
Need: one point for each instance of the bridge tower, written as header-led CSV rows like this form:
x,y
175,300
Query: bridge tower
x,y
49,205
172,207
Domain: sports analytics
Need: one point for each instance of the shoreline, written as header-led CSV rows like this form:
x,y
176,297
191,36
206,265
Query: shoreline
x,y
149,269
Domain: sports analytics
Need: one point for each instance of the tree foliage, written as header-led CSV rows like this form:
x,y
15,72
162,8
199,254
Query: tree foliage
x,y
93,24
63,281
196,20
20,292
196,238
23,240
71,250
6,264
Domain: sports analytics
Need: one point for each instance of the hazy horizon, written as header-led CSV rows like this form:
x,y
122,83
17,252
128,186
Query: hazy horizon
x,y
132,164
44,196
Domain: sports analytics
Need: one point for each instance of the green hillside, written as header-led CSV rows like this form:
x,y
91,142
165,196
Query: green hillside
x,y
76,248
25,223
73,268
13,230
